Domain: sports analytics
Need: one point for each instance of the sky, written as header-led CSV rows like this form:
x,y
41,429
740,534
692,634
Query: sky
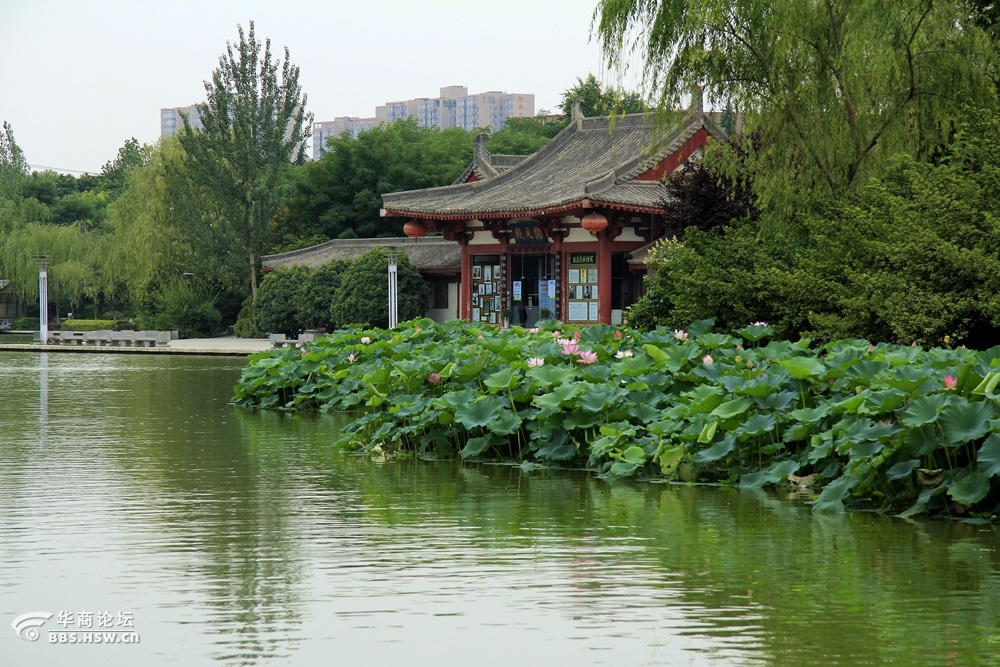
x,y
78,78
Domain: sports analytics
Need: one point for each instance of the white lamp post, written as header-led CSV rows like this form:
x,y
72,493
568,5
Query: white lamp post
x,y
393,288
43,298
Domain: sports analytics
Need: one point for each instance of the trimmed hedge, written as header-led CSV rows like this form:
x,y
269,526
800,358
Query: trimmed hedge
x,y
88,325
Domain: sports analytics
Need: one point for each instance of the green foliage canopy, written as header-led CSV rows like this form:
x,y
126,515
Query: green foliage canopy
x,y
254,124
340,194
363,296
834,89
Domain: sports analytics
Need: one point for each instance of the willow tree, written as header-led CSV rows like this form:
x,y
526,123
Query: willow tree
x,y
831,89
254,125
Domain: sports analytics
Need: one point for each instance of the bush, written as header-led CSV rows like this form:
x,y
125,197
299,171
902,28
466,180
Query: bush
x,y
247,325
180,308
316,298
278,300
26,324
363,296
88,325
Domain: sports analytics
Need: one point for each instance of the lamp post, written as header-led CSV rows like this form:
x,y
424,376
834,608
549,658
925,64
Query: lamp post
x,y
393,288
43,298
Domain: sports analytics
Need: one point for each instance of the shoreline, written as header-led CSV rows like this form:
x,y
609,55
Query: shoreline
x,y
226,346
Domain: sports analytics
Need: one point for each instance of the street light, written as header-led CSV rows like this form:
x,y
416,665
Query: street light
x,y
43,298
393,288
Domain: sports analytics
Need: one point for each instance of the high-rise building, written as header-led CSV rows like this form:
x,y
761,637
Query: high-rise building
x,y
171,122
336,127
454,107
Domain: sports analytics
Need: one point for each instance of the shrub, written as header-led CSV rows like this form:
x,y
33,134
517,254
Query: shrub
x,y
247,325
313,309
180,308
363,296
278,300
26,324
88,325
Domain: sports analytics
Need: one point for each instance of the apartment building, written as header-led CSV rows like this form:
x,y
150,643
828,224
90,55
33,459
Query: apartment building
x,y
453,107
336,127
171,122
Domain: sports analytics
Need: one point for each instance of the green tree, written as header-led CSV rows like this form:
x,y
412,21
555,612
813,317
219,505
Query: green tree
x,y
115,173
600,100
254,125
363,297
340,194
912,258
832,89
524,136
277,303
316,299
13,165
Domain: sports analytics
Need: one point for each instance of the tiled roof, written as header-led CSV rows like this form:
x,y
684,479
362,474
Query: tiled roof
x,y
595,159
431,254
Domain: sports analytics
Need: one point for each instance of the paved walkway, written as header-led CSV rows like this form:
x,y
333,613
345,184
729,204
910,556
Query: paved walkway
x,y
227,346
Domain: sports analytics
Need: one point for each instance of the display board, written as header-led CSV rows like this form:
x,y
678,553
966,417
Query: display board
x,y
581,287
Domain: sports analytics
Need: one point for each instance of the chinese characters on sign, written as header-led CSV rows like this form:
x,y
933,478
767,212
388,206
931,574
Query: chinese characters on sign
x,y
526,232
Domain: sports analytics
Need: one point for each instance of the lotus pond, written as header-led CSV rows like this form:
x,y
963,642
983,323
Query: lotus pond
x,y
899,429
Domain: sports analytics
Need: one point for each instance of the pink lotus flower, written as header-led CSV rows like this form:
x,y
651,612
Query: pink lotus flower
x,y
621,354
556,334
535,362
434,378
759,324
352,357
708,359
950,381
618,335
366,339
570,348
533,330
682,336
587,357
564,341
576,335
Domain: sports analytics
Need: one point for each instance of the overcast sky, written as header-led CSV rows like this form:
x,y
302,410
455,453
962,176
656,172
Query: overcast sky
x,y
80,77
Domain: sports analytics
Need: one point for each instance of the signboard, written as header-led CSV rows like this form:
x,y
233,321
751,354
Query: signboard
x,y
526,232
583,258
547,296
515,290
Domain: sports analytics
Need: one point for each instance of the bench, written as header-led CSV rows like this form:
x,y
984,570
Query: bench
x,y
281,340
108,338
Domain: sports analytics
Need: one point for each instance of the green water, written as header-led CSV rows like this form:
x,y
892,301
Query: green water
x,y
129,485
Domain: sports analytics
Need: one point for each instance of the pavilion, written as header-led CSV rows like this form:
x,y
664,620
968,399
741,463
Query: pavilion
x,y
550,235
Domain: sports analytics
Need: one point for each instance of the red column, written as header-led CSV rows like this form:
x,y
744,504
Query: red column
x,y
604,277
465,291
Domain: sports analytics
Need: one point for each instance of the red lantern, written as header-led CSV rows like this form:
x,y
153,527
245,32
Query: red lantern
x,y
415,229
594,222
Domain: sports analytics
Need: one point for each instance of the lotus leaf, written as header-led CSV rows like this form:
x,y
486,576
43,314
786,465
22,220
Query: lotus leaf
x,y
474,447
970,488
719,450
989,456
963,420
902,470
479,413
924,410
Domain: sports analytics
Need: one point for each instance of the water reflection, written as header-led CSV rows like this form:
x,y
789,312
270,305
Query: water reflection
x,y
129,483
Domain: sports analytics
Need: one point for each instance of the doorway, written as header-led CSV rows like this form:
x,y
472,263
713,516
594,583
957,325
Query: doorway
x,y
533,279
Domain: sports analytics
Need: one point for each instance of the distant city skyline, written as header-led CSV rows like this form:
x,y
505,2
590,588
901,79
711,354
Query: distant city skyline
x,y
453,107
82,78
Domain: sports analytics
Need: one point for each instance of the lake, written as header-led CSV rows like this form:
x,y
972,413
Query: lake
x,y
155,524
